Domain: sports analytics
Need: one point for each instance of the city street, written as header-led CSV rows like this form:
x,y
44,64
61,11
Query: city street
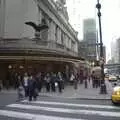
x,y
49,108
7,98
71,104
59,60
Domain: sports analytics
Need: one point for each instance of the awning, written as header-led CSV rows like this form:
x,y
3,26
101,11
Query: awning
x,y
38,58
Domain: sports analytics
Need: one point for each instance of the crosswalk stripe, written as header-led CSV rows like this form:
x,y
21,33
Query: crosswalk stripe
x,y
66,110
29,116
73,105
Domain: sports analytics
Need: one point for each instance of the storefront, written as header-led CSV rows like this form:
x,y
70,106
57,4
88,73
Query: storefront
x,y
9,65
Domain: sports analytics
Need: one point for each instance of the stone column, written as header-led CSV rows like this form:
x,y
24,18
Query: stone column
x,y
59,35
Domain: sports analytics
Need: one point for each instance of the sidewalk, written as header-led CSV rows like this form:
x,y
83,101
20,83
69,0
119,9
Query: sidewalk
x,y
80,93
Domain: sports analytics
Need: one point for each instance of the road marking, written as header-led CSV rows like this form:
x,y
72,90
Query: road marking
x,y
29,116
65,110
74,105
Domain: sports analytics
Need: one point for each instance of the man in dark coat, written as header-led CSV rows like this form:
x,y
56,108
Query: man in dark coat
x,y
60,81
53,80
32,86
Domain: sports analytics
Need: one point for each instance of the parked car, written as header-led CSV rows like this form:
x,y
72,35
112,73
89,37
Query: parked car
x,y
116,95
112,78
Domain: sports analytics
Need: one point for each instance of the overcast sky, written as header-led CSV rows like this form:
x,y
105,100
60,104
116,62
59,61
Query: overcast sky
x,y
81,9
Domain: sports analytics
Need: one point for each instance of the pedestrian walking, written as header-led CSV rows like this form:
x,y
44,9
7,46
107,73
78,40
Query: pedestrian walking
x,y
81,76
72,77
32,87
76,79
75,84
7,83
15,77
20,91
1,85
47,82
39,81
93,79
25,83
53,81
89,78
86,84
59,79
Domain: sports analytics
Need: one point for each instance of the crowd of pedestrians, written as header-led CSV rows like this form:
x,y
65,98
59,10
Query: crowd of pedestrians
x,y
30,85
86,79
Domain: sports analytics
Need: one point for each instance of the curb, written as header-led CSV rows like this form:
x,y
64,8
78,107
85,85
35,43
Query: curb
x,y
93,98
52,96
78,98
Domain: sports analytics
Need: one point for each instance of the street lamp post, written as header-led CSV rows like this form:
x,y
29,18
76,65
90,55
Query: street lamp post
x,y
103,89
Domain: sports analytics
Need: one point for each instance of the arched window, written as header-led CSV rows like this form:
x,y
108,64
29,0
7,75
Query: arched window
x,y
44,33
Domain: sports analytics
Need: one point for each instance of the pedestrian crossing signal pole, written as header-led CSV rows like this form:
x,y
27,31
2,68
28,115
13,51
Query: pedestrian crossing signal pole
x,y
103,89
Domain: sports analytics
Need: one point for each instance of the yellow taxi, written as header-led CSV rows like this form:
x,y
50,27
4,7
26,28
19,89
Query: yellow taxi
x,y
116,95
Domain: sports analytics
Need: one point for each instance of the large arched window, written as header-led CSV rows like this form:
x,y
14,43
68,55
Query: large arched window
x,y
45,20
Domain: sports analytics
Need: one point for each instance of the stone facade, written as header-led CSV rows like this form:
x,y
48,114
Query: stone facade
x,y
17,12
56,48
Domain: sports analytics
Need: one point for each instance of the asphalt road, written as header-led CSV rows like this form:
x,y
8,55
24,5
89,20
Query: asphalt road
x,y
7,98
48,108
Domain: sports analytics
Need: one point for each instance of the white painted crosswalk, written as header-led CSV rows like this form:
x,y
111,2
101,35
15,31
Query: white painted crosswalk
x,y
75,105
65,110
31,116
24,110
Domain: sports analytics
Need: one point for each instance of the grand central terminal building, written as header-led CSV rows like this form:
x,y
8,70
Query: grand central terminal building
x,y
23,48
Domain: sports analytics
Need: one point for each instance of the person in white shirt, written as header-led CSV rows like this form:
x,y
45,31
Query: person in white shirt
x,y
25,82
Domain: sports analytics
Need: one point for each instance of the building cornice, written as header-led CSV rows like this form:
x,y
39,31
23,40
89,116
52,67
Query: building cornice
x,y
38,58
33,46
